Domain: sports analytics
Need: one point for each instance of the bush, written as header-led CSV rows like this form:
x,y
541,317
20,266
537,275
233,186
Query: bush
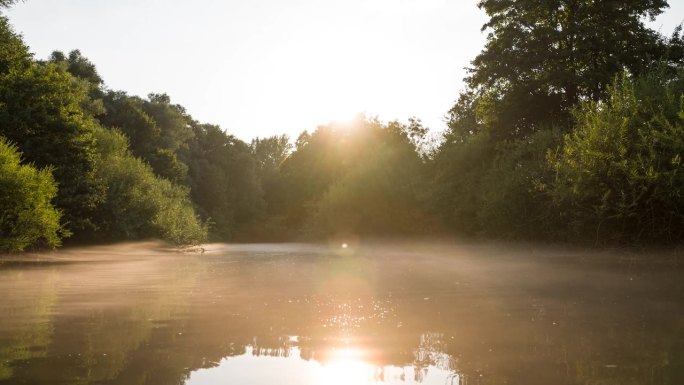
x,y
27,217
620,173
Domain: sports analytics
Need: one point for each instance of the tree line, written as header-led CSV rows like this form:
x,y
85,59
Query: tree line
x,y
570,128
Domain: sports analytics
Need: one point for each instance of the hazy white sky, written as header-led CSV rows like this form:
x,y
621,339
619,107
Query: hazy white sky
x,y
264,67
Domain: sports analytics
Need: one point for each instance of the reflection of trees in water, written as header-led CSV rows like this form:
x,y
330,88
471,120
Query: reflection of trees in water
x,y
431,352
59,335
283,348
21,340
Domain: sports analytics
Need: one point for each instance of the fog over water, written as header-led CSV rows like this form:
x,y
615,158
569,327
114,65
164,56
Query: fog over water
x,y
392,313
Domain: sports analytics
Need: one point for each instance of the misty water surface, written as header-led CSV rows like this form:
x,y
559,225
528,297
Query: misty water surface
x,y
302,314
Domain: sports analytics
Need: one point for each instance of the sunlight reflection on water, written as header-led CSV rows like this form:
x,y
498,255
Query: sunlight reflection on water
x,y
344,366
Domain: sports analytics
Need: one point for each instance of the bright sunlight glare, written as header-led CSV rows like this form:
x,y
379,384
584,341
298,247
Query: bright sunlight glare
x,y
346,367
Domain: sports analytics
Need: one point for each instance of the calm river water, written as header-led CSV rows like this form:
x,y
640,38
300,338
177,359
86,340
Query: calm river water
x,y
317,315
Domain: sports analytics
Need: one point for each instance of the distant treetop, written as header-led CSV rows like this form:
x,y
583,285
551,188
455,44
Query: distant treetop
x,y
7,3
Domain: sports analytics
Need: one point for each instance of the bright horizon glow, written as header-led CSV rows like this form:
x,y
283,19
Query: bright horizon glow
x,y
267,67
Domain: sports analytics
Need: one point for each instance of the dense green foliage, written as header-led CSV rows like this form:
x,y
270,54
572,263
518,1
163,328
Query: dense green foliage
x,y
570,128
361,178
40,111
513,202
541,57
157,128
139,204
27,216
223,180
50,110
14,54
540,147
620,173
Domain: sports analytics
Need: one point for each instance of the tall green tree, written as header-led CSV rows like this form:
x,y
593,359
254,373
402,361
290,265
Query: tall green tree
x,y
542,57
41,112
223,178
271,152
126,114
78,65
158,130
40,108
85,73
175,133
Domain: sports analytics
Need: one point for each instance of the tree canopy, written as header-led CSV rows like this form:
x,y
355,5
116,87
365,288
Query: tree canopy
x,y
542,57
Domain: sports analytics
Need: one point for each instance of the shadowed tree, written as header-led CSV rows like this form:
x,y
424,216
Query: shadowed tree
x,y
223,178
126,113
